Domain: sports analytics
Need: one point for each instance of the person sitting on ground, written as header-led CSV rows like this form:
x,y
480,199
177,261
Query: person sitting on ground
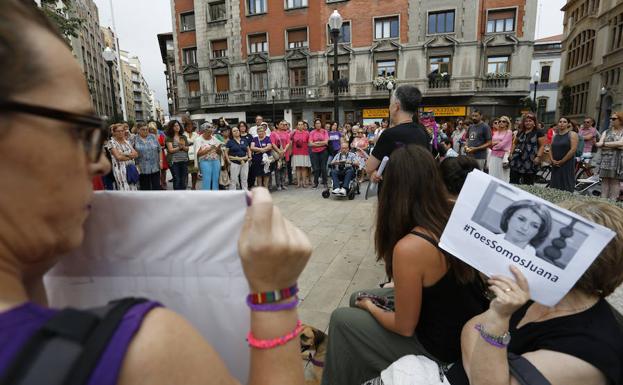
x,y
342,165
405,130
43,217
434,293
454,172
576,342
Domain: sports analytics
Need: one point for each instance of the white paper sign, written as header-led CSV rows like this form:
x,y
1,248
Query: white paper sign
x,y
495,225
175,247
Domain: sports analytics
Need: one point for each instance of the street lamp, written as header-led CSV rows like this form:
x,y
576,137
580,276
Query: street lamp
x,y
170,106
272,95
535,78
390,88
602,93
335,23
109,57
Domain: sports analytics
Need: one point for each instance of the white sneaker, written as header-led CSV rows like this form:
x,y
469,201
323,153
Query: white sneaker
x,y
343,191
336,191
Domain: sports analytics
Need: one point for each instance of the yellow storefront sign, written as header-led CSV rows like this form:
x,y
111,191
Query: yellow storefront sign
x,y
446,111
372,113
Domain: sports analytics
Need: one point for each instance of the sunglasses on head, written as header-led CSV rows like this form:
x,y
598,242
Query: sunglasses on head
x,y
90,129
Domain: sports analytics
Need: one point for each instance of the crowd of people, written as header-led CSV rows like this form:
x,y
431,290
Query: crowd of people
x,y
446,322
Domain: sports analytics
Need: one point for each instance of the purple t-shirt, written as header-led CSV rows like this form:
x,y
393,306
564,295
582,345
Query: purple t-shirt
x,y
19,324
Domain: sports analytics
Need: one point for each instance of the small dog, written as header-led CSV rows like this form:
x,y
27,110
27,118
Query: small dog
x,y
313,351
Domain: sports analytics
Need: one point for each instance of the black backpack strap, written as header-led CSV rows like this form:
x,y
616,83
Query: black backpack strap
x,y
524,372
67,348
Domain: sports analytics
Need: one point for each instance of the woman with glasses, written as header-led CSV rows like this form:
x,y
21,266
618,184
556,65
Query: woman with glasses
x,y
502,140
458,135
177,150
611,167
123,155
149,163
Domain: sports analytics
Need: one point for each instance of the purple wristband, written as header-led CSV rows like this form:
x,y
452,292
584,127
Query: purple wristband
x,y
273,307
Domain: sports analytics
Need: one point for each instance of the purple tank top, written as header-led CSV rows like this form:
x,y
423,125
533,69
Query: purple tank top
x,y
20,323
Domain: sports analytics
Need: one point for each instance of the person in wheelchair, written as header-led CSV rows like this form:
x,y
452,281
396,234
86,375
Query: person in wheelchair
x,y
343,166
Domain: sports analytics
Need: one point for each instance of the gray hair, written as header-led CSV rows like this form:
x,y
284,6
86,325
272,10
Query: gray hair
x,y
206,126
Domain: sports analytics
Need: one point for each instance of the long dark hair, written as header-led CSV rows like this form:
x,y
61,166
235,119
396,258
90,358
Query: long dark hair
x,y
413,194
170,132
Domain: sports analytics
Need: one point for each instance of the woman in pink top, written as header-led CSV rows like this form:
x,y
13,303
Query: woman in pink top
x,y
280,139
319,143
300,154
360,144
502,141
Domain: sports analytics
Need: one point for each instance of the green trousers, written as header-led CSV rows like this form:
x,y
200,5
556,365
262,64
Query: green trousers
x,y
359,348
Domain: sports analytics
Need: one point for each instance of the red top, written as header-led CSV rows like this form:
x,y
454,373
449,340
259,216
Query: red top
x,y
300,141
281,139
319,136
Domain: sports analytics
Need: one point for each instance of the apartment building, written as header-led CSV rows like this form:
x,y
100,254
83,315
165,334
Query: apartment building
x,y
167,52
239,58
137,92
592,59
546,63
110,41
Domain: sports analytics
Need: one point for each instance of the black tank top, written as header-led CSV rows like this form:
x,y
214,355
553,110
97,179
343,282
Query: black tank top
x,y
592,336
446,307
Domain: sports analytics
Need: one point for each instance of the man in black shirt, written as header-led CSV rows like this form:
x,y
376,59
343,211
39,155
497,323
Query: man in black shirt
x,y
403,107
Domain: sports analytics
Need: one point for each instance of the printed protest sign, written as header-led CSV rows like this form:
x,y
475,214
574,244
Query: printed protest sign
x,y
178,248
495,225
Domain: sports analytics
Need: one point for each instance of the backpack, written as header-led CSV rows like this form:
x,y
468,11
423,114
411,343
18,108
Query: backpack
x,y
67,348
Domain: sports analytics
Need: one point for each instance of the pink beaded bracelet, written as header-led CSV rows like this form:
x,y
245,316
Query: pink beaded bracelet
x,y
269,344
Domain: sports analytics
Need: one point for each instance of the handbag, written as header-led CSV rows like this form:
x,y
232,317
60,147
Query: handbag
x,y
131,173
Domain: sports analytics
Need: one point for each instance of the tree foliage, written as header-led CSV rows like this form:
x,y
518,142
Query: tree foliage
x,y
62,14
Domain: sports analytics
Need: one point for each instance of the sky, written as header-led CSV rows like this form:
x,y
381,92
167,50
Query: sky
x,y
139,21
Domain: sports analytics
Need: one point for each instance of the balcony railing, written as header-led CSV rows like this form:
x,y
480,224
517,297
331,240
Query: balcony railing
x,y
221,97
438,83
496,83
298,92
258,96
194,102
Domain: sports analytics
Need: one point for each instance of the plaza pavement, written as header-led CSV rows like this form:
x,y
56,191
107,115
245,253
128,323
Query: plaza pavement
x,y
343,260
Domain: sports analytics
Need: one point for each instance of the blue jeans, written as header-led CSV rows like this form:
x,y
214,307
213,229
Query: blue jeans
x,y
346,174
210,172
179,170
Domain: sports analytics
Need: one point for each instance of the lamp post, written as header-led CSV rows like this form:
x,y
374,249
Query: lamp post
x,y
335,23
602,93
272,95
109,58
170,106
390,88
535,78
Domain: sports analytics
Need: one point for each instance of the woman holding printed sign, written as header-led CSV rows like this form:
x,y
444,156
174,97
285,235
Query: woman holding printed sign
x,y
434,293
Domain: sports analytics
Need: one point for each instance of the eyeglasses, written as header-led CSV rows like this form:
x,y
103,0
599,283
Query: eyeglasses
x,y
90,129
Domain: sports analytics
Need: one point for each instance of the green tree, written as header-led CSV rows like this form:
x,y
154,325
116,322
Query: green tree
x,y
62,14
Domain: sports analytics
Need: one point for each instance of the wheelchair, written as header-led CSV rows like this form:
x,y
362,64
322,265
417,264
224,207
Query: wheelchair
x,y
353,188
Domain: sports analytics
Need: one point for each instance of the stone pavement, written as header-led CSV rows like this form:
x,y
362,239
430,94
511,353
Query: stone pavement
x,y
343,260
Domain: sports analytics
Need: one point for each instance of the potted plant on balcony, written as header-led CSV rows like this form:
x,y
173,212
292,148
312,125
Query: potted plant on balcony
x,y
497,75
381,81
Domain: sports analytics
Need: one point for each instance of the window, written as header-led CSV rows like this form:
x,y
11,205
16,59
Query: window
x,y
617,31
344,33
580,49
258,43
386,28
259,80
579,97
255,7
441,22
217,11
297,38
498,64
188,21
193,88
298,77
222,83
190,56
545,73
501,21
342,69
296,4
219,48
386,68
439,65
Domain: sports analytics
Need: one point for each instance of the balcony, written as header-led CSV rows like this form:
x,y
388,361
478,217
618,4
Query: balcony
x,y
194,102
439,83
298,92
221,97
258,96
496,83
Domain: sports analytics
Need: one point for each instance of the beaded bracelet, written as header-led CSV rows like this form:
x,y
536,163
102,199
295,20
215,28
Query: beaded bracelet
x,y
273,307
269,344
273,296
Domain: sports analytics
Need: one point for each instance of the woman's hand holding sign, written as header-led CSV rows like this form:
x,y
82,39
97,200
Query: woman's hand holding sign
x,y
510,294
